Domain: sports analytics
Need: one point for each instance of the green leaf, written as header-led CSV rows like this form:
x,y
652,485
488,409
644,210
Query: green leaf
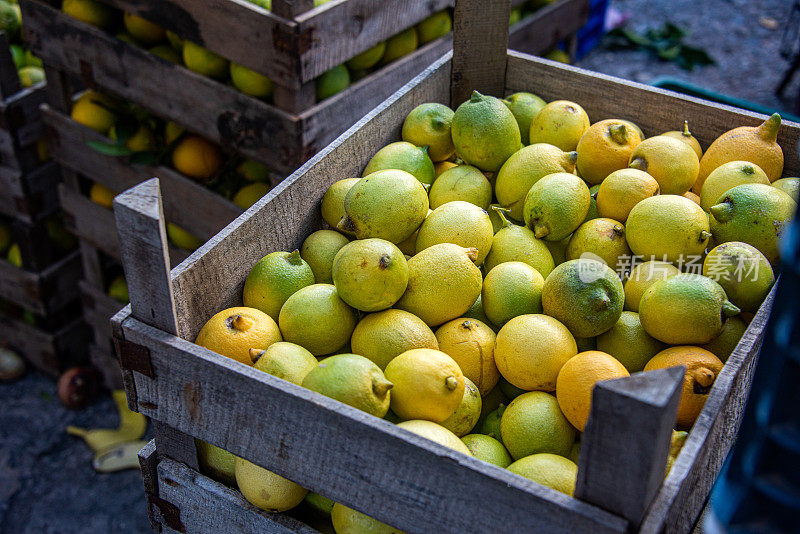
x,y
109,149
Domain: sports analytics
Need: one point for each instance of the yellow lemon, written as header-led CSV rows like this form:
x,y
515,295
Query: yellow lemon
x,y
531,349
234,331
428,384
576,381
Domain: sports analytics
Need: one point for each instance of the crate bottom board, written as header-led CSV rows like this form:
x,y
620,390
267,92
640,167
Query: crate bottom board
x,y
51,353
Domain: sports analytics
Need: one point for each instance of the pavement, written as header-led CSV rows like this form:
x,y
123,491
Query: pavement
x,y
47,483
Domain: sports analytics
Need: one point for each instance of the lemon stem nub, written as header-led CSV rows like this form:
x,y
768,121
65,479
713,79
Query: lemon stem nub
x,y
703,376
451,383
381,387
722,211
730,309
255,354
768,131
619,133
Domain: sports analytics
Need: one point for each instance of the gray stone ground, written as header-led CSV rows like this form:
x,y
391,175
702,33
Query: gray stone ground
x,y
46,480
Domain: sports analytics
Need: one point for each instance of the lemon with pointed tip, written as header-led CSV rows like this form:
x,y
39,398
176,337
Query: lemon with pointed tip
x,y
743,272
754,144
470,342
353,380
466,416
629,343
686,137
348,521
215,462
388,204
672,163
370,274
428,125
204,61
702,369
485,132
755,214
273,279
556,205
622,190
517,243
530,350
462,182
525,107
511,289
533,423
560,123
443,283
641,277
265,489
668,227
435,432
285,360
576,381
601,239
234,331
685,309
319,249
317,319
526,167
585,295
428,384
384,335
549,470
460,223
606,147
332,203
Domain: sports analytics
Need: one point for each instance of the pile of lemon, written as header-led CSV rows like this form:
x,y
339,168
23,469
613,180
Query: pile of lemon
x,y
170,47
489,269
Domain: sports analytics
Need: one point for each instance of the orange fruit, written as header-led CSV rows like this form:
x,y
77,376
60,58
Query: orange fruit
x,y
702,368
576,381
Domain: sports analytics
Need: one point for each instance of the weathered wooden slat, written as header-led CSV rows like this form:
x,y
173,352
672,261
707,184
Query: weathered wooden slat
x,y
181,194
293,210
485,28
654,110
43,292
51,353
648,403
685,491
547,26
95,224
208,506
210,397
201,104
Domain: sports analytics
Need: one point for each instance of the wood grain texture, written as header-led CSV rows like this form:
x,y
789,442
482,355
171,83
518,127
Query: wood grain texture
x,y
181,194
206,282
208,506
479,25
652,109
547,26
370,464
50,352
96,225
221,113
685,491
625,444
41,292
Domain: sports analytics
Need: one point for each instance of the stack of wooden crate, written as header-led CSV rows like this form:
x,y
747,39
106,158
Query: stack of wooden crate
x,y
366,463
39,298
292,45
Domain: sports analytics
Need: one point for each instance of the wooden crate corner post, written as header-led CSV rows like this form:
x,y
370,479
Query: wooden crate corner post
x,y
626,441
142,232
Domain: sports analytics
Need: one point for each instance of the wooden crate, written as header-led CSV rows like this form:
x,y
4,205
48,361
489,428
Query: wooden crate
x,y
283,135
367,463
